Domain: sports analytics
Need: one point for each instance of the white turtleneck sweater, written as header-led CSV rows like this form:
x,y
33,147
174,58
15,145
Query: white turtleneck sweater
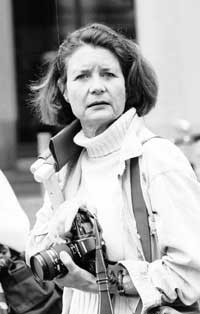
x,y
102,188
100,182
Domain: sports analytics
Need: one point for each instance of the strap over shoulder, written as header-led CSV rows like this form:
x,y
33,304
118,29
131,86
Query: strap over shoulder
x,y
144,221
139,209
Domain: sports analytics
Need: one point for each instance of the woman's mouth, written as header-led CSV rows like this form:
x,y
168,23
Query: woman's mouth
x,y
98,103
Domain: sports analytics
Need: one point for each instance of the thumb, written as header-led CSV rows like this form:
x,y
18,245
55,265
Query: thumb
x,y
67,261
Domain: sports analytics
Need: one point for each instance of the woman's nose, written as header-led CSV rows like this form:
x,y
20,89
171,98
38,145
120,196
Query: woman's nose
x,y
97,86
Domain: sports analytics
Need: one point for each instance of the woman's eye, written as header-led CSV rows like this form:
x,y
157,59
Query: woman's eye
x,y
109,74
82,76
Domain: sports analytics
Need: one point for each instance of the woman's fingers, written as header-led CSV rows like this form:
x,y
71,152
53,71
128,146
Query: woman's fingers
x,y
67,261
62,220
65,214
76,277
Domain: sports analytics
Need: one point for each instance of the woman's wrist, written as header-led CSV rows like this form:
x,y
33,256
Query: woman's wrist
x,y
120,284
120,281
128,286
125,284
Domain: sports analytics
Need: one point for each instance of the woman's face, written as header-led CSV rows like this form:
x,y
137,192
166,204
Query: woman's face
x,y
95,88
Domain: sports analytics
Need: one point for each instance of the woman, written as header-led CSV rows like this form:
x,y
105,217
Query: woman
x,y
100,78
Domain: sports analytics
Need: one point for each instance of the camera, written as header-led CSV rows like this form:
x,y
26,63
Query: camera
x,y
79,243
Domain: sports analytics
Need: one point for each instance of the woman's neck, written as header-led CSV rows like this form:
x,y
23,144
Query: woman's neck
x,y
92,129
108,141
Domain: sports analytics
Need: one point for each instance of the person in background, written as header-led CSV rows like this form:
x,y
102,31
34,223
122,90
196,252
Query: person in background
x,y
20,292
14,229
14,222
101,79
3,303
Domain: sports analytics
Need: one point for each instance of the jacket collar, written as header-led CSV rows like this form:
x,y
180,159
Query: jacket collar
x,y
136,136
64,149
62,146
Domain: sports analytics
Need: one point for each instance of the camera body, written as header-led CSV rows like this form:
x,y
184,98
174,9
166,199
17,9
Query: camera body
x,y
80,244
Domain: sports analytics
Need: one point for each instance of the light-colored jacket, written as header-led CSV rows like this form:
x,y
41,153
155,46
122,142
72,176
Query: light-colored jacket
x,y
172,195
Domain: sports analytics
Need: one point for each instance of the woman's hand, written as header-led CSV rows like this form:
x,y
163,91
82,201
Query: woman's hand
x,y
76,277
63,217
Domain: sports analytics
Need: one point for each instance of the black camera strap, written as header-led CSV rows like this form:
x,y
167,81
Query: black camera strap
x,y
139,209
141,217
105,305
140,214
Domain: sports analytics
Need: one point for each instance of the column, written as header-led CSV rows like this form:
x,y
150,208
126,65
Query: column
x,y
8,107
168,35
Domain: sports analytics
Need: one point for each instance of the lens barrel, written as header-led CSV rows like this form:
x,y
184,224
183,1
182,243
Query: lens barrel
x,y
46,265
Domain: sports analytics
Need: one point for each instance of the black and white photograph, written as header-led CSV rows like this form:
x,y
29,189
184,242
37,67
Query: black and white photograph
x,y
99,157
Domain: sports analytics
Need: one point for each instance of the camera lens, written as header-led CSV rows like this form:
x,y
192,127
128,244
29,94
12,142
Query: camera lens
x,y
46,265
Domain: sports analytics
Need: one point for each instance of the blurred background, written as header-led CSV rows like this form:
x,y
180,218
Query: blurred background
x,y
30,33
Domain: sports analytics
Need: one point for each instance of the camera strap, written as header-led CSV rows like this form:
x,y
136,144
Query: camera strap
x,y
142,222
140,210
105,304
140,214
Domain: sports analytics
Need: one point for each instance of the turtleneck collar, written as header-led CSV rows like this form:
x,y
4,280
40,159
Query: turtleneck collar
x,y
108,141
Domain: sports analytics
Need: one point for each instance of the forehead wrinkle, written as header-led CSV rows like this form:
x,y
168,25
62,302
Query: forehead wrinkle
x,y
89,67
77,65
81,68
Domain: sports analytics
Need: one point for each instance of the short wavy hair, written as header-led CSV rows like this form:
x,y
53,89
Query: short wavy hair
x,y
140,78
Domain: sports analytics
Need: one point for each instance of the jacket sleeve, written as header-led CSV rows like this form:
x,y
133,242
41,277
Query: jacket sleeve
x,y
175,201
38,237
177,274
38,240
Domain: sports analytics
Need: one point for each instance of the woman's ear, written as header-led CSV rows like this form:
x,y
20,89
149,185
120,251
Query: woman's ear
x,y
63,90
65,95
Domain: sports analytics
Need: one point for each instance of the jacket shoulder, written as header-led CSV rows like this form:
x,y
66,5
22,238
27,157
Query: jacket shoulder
x,y
161,155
